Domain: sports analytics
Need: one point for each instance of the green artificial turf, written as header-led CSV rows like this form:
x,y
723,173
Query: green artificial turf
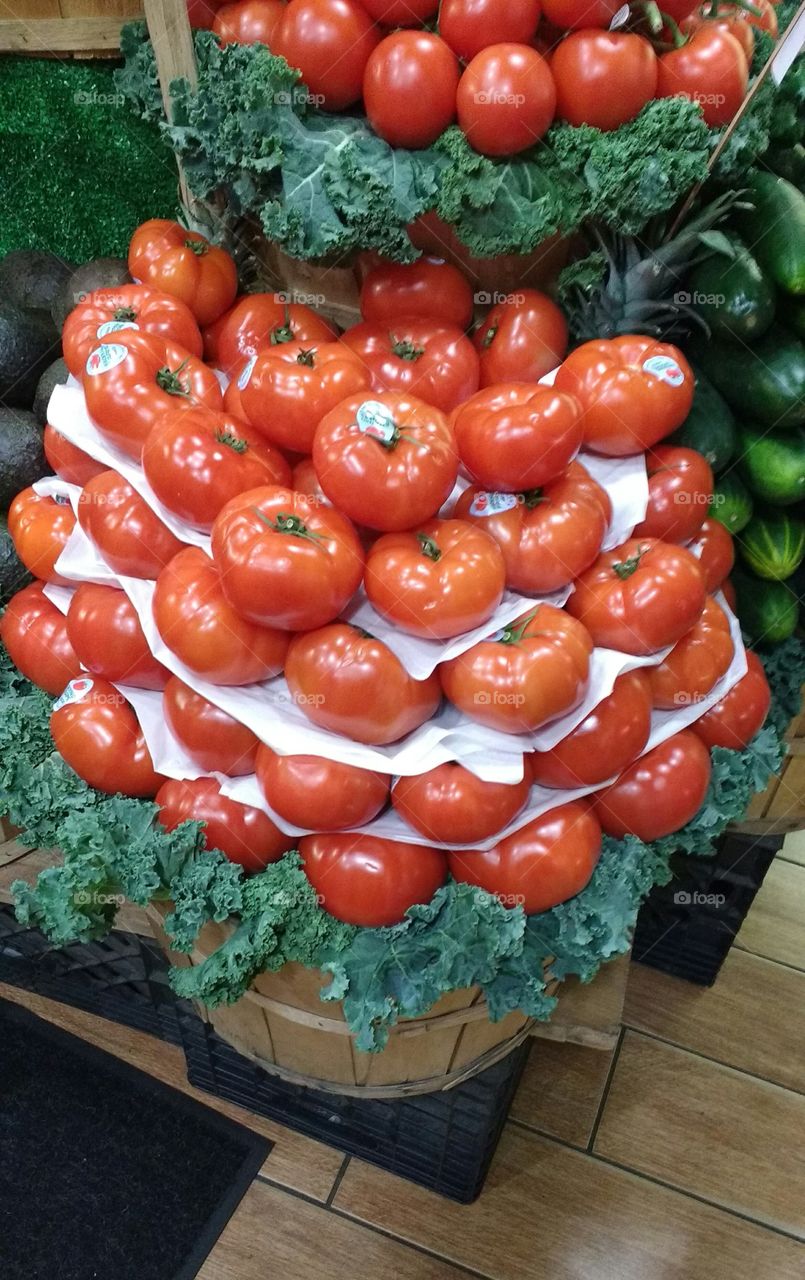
x,y
78,170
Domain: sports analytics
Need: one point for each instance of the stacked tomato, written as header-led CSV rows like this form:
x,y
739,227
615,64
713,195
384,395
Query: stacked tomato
x,y
409,470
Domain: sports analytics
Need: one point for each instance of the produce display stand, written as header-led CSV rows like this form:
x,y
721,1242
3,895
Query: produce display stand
x,y
781,807
59,28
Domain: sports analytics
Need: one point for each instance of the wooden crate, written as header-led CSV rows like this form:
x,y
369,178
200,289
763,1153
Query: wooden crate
x,y
65,28
781,807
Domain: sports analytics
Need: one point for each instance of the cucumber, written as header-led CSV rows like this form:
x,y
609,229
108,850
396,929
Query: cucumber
x,y
791,313
774,464
710,426
732,503
788,163
733,295
775,228
764,382
768,611
773,545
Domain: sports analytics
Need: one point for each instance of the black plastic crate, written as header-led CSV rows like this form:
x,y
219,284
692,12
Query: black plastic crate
x,y
443,1141
687,927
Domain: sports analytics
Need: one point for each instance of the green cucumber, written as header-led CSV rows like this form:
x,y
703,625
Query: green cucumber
x,y
773,545
764,382
710,426
733,295
732,503
791,313
774,464
775,228
768,611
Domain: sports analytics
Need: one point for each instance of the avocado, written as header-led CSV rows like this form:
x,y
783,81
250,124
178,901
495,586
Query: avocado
x,y
54,376
100,273
27,346
32,278
13,574
22,457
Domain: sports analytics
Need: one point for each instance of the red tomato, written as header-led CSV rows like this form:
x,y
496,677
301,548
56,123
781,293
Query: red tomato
x,y
506,99
39,528
607,740
214,740
603,78
105,632
129,536
532,671
711,69
34,632
437,581
367,881
716,551
351,683
430,289
312,792
248,22
659,793
330,42
131,383
734,721
574,14
517,436
291,387
242,834
184,264
469,26
633,391
260,321
67,460
733,21
548,536
97,734
196,460
640,596
523,337
546,862
199,625
233,402
284,560
696,662
450,805
202,13
409,88
680,490
106,312
766,20
388,461
401,13
306,482
679,9
728,591
420,357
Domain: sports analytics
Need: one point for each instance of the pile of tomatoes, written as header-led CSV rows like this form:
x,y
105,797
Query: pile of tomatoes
x,y
504,69
419,464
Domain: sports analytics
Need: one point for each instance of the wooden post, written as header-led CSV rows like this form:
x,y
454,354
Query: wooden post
x,y
172,38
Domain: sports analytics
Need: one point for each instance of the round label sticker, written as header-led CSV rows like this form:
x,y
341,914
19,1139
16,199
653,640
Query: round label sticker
x,y
664,368
246,372
112,326
105,357
75,691
374,420
491,504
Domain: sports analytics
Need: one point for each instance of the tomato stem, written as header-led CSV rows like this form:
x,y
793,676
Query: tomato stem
x,y
513,634
489,336
429,547
124,313
168,380
307,357
405,350
231,441
286,523
282,332
625,568
533,497
199,247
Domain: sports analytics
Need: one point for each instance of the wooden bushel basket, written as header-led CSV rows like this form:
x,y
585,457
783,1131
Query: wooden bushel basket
x,y
781,807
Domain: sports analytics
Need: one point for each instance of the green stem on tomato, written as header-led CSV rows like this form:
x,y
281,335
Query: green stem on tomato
x,y
429,547
169,380
405,350
231,441
291,524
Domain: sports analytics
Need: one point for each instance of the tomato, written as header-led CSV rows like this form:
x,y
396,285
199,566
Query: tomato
x,y
97,734
106,312
450,805
318,794
766,20
202,13
330,42
728,591
517,436
409,88
734,721
696,662
351,683
388,461
242,834
367,881
292,387
430,289
523,337
532,671
679,9
469,26
248,22
607,740
420,357
711,69
305,481
34,632
548,536
127,533
181,262
105,632
574,14
437,581
199,625
260,321
633,391
400,13
196,460
733,21
131,383
506,99
67,460
716,551
286,561
39,528
680,490
640,596
215,741
603,78
659,793
546,862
